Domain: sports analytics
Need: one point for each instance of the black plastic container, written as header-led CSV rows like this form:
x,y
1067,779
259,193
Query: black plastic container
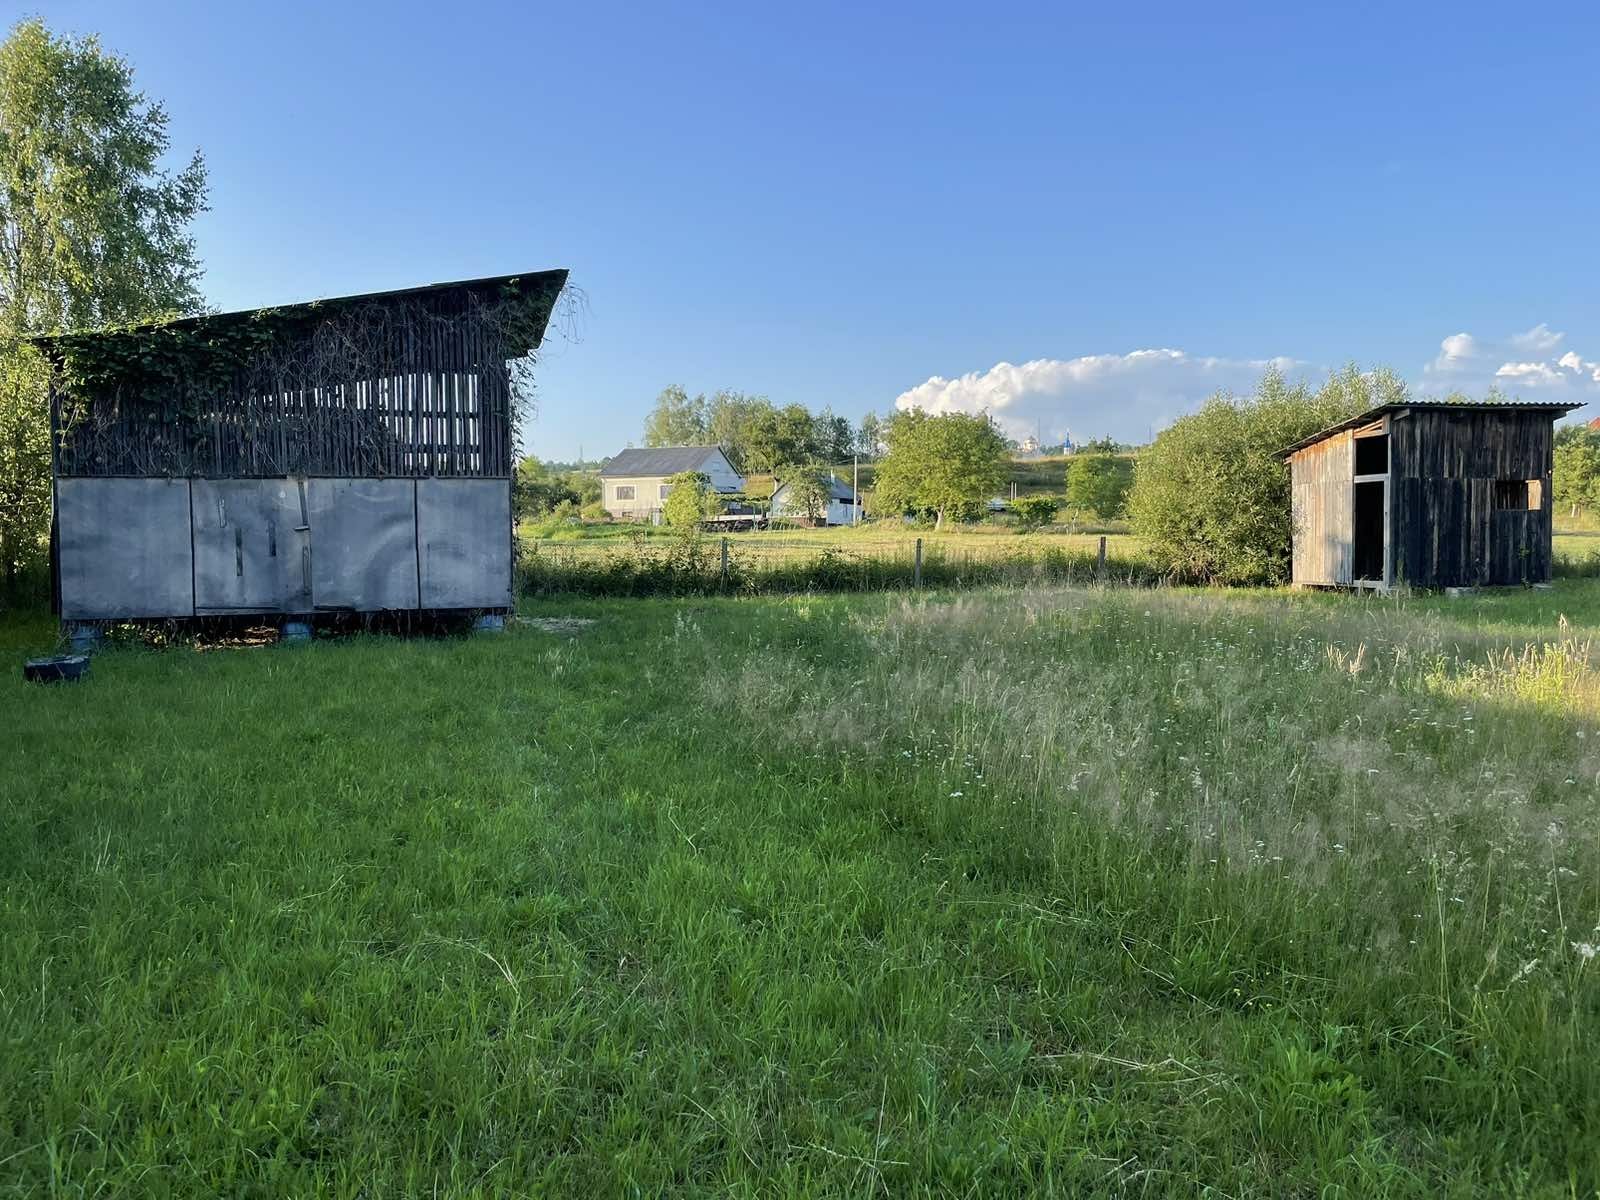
x,y
62,668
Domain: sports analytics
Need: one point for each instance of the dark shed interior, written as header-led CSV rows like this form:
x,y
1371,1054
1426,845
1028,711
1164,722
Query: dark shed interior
x,y
1428,494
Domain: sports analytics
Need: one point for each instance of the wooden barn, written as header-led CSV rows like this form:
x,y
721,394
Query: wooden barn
x,y
346,455
1429,494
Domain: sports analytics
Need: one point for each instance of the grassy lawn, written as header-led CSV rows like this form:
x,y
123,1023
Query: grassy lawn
x,y
1006,892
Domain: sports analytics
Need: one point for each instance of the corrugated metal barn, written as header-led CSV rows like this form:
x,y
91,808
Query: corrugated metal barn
x,y
347,455
1426,493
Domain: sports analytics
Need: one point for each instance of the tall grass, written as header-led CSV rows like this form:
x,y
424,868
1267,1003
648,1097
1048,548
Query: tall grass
x,y
694,566
1083,891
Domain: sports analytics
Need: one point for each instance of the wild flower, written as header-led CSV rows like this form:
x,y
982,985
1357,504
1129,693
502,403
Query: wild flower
x,y
1584,950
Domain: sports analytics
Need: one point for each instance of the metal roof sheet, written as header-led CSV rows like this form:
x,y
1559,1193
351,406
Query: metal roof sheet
x,y
657,460
1372,414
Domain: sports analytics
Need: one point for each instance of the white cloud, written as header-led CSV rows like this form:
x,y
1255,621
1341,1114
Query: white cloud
x,y
1540,338
1455,353
1123,396
1472,364
1534,374
1126,396
1580,366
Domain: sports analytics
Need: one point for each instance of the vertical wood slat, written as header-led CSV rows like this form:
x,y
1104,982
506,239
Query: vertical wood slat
x,y
435,402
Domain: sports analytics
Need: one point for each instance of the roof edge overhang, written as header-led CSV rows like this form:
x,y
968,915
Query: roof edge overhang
x,y
525,284
1553,407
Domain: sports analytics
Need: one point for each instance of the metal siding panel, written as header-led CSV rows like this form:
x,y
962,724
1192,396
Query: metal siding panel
x,y
464,542
124,548
248,547
363,544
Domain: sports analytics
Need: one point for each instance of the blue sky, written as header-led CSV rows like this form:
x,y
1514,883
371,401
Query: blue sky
x,y
1082,221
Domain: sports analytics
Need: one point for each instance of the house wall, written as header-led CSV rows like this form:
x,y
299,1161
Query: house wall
x,y
647,496
1323,503
1448,531
721,473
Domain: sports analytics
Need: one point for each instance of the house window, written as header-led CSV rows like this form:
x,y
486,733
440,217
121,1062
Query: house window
x,y
665,488
624,491
1518,495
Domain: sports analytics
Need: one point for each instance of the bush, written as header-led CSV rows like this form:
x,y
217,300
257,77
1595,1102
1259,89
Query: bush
x,y
689,501
1035,512
1576,482
1098,480
1210,498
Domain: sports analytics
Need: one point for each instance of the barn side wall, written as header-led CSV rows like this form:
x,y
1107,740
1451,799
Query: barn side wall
x,y
1447,530
172,548
1321,483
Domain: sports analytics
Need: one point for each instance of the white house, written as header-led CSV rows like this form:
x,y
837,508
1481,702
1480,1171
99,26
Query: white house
x,y
634,484
842,503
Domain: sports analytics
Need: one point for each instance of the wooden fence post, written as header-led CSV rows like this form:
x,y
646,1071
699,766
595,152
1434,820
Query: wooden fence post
x,y
725,561
1101,566
916,570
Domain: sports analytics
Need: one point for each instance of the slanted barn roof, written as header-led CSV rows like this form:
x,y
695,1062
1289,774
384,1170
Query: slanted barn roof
x,y
657,460
526,285
1554,407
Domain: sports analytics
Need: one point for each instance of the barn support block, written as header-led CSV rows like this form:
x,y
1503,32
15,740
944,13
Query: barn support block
x,y
294,631
490,623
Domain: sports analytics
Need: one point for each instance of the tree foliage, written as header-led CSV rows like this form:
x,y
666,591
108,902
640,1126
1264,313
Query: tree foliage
x,y
807,491
1098,479
869,436
93,231
690,500
1035,512
1210,498
538,488
1575,480
676,420
756,434
947,465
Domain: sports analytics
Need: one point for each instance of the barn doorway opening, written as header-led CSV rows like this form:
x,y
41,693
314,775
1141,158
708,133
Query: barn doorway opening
x,y
1368,531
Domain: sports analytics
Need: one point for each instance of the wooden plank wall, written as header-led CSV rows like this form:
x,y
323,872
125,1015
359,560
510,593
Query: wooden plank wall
x,y
1445,465
442,409
1322,490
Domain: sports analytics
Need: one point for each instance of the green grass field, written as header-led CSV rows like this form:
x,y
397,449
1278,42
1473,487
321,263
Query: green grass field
x,y
1011,892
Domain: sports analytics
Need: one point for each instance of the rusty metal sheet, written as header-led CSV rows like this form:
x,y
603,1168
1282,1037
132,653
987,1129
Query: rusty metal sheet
x,y
251,545
464,542
363,544
124,548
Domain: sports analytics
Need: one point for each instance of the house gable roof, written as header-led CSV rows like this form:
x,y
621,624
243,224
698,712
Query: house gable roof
x,y
643,461
1554,407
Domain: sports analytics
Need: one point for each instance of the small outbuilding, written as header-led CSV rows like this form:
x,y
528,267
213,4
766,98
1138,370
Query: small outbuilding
x,y
635,484
345,455
843,504
1426,493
